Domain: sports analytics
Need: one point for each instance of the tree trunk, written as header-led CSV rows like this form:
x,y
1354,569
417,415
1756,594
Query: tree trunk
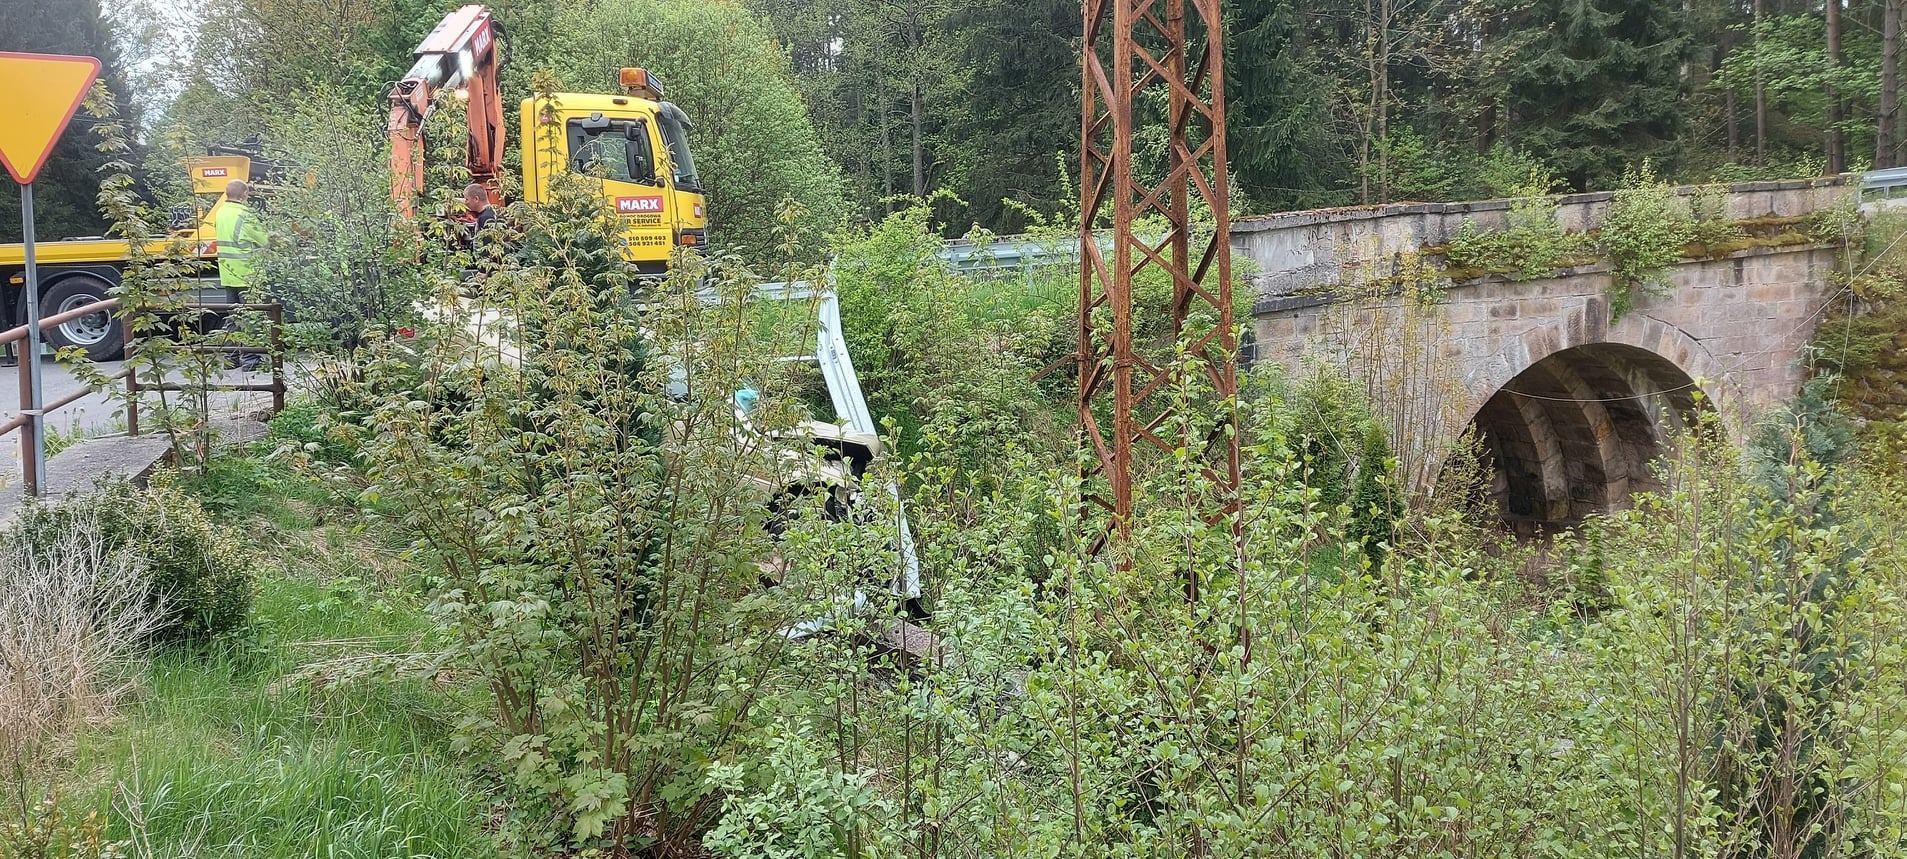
x,y
884,139
1885,145
1487,120
1729,110
1368,121
1381,102
920,159
1761,94
1836,143
916,106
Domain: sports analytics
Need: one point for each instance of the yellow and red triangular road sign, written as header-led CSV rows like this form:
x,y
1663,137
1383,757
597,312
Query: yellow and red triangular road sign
x,y
39,93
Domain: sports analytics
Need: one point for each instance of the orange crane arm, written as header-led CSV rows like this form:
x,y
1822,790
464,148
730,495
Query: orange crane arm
x,y
465,54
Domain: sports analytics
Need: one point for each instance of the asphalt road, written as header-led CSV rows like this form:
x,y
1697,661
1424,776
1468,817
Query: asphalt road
x,y
98,413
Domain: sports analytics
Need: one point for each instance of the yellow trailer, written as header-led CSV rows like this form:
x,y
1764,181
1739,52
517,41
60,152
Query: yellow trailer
x,y
77,272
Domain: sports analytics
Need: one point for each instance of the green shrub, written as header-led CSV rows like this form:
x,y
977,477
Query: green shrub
x,y
1531,244
797,806
202,572
1709,211
940,354
1506,171
1326,420
47,831
1722,670
309,426
1376,506
1642,234
594,537
342,263
1853,345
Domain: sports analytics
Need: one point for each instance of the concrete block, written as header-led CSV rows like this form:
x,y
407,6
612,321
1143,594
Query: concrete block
x,y
117,457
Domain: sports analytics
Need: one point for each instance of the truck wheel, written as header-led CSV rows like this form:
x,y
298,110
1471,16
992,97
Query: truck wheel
x,y
100,334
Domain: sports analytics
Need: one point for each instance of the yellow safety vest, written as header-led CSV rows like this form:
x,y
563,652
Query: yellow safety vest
x,y
238,234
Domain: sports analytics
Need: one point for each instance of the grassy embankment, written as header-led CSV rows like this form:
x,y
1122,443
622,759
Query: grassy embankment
x,y
321,732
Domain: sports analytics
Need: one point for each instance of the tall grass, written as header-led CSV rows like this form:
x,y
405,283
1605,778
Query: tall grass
x,y
266,753
303,739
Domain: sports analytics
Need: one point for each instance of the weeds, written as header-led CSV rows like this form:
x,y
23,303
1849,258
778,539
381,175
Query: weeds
x,y
48,831
1531,244
1643,233
74,610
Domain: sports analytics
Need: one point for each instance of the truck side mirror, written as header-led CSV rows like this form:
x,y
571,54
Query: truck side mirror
x,y
642,166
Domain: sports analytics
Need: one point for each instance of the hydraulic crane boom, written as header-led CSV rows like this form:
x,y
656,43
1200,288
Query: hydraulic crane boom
x,y
465,54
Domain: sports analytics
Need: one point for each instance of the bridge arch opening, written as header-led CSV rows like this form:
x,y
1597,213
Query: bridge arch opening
x,y
1577,432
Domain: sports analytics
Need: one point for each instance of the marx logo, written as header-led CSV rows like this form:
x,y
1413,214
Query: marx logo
x,y
638,205
213,173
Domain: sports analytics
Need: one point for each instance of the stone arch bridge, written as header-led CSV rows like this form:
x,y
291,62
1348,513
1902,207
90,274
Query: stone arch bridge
x,y
1570,404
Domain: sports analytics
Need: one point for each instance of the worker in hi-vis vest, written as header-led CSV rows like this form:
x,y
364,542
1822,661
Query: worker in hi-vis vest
x,y
239,235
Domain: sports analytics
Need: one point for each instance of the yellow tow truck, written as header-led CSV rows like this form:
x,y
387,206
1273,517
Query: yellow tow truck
x,y
639,144
636,139
76,272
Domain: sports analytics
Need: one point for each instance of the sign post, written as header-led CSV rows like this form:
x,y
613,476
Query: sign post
x,y
32,396
39,93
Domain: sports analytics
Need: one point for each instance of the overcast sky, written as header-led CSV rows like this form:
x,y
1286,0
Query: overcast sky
x,y
175,22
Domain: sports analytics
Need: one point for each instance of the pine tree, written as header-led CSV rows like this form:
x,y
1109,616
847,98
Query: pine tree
x,y
1277,110
1375,505
1022,108
1593,86
64,195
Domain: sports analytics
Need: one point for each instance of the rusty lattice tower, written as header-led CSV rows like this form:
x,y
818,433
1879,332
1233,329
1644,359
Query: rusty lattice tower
x,y
1153,83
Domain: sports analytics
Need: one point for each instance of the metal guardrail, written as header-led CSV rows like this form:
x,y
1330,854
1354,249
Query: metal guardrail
x,y
999,256
1884,184
30,421
1006,253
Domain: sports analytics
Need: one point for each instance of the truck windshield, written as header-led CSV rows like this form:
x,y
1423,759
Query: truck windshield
x,y
675,134
619,148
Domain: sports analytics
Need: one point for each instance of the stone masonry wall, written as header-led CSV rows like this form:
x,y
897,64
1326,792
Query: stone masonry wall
x,y
1737,325
1296,251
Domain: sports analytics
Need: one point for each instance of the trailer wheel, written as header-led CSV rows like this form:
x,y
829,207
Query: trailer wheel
x,y
100,334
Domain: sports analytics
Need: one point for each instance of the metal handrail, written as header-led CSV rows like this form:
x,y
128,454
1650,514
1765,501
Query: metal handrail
x,y
24,419
18,332
274,312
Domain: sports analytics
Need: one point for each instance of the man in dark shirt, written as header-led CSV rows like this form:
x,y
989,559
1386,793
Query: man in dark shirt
x,y
477,203
478,237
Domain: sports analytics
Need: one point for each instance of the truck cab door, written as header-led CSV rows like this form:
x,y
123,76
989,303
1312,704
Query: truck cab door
x,y
686,202
621,153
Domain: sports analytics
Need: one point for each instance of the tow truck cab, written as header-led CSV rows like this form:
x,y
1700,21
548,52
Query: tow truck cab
x,y
636,146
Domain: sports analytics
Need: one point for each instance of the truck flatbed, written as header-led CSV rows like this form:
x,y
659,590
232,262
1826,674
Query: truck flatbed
x,y
82,251
77,272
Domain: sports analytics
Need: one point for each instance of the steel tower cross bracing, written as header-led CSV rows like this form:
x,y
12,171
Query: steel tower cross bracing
x,y
1153,72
